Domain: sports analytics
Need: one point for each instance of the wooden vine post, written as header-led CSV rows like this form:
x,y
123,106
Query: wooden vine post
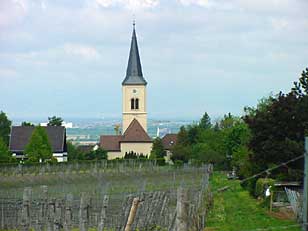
x,y
103,217
132,214
181,221
25,213
305,199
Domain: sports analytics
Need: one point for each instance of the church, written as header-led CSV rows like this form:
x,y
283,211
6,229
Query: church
x,y
134,137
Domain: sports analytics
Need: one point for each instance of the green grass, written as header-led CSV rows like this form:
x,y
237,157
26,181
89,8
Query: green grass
x,y
236,210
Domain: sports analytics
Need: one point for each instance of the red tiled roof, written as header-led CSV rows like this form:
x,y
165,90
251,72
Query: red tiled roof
x,y
110,143
169,141
135,133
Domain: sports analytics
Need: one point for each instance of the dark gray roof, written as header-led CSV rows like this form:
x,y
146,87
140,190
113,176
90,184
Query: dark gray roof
x,y
20,136
134,74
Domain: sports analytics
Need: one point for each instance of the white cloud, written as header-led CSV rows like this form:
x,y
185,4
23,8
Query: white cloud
x,y
43,5
22,3
279,23
105,3
6,72
12,11
204,3
129,4
84,51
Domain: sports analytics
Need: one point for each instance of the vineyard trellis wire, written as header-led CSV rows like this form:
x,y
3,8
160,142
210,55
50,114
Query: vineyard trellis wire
x,y
42,208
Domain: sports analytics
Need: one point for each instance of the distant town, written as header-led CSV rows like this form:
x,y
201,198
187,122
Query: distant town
x,y
88,130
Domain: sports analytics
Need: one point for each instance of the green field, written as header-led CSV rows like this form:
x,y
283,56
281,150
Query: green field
x,y
236,210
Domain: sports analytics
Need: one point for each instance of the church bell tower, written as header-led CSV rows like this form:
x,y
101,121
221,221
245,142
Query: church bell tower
x,y
134,89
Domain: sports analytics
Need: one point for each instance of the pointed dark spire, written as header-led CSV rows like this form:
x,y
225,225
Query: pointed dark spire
x,y
134,74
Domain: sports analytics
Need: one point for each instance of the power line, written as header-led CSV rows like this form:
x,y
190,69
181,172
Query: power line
x,y
273,168
260,173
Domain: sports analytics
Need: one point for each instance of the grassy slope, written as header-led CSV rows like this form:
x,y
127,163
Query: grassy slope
x,y
235,209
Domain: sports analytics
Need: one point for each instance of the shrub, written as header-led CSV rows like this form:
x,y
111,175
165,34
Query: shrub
x,y
262,184
178,163
160,161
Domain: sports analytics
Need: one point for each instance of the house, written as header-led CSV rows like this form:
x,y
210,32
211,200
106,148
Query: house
x,y
134,111
20,137
169,140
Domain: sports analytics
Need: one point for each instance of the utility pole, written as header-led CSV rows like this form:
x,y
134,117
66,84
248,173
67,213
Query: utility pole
x,y
305,199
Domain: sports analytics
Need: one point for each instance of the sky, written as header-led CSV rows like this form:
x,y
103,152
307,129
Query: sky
x,y
68,58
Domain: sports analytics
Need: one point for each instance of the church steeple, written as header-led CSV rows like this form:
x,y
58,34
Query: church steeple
x,y
134,74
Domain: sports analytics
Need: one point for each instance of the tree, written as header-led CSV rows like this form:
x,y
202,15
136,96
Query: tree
x,y
205,122
193,132
181,152
205,153
98,154
236,141
27,124
55,121
5,127
73,153
278,135
182,137
158,150
301,87
228,121
263,104
5,154
236,135
39,148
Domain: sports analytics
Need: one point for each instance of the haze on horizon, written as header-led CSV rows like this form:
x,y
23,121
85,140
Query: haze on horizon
x,y
68,58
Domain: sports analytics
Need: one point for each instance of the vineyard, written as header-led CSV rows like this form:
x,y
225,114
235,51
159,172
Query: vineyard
x,y
129,195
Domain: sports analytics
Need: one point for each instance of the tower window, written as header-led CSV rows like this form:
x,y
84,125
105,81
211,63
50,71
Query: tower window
x,y
137,103
132,104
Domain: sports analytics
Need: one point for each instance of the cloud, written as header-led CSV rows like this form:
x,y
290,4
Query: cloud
x,y
105,3
204,3
279,24
22,3
7,72
12,12
84,51
43,5
129,4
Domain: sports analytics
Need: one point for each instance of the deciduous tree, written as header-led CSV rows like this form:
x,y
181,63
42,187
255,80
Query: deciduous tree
x,y
5,127
98,154
39,148
157,149
73,153
27,124
5,154
278,134
54,121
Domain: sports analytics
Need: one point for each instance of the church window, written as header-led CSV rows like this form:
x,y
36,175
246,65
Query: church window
x,y
132,104
137,103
